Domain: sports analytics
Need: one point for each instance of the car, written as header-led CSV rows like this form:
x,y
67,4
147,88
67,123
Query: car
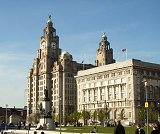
x,y
12,126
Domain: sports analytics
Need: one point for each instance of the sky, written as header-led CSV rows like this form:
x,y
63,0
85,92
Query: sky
x,y
130,24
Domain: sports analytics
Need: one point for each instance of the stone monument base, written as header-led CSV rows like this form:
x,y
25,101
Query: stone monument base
x,y
47,123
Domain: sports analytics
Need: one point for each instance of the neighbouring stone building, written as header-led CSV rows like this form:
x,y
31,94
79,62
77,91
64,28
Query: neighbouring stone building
x,y
119,87
19,113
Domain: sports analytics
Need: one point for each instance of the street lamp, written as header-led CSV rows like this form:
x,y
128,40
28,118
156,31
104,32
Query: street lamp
x,y
146,103
6,117
60,113
84,118
158,111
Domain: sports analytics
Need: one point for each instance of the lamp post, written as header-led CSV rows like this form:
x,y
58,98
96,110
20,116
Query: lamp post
x,y
6,117
146,103
84,114
60,113
106,114
158,111
97,111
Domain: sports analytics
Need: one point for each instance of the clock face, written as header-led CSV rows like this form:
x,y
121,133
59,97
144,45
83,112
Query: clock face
x,y
53,45
43,45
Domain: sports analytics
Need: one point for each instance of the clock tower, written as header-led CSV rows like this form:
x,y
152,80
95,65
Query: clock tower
x,y
104,53
49,42
40,75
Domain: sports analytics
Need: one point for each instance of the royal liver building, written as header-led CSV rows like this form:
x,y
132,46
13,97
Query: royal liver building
x,y
53,70
118,88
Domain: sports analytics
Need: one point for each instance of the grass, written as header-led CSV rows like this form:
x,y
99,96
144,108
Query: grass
x,y
101,129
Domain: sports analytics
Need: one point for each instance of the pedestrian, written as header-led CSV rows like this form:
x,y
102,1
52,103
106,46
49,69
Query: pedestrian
x,y
119,129
19,125
155,129
29,126
94,130
158,125
139,130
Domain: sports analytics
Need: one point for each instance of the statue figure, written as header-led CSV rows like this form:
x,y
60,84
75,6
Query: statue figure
x,y
49,17
46,94
49,114
40,108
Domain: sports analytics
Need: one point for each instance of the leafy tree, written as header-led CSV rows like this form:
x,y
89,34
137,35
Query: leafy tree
x,y
67,118
106,112
122,115
152,113
94,116
101,115
141,114
53,116
86,115
31,118
76,116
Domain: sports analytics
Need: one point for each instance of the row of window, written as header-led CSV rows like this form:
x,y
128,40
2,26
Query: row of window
x,y
148,72
103,83
101,76
119,93
105,105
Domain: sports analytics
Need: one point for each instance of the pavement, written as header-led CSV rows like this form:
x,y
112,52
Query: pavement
x,y
38,132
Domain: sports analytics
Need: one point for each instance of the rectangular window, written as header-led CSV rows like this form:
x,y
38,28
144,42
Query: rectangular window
x,y
116,93
113,74
109,82
119,73
106,76
95,94
89,95
122,91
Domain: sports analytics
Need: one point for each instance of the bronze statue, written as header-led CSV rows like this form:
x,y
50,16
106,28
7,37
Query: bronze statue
x,y
46,97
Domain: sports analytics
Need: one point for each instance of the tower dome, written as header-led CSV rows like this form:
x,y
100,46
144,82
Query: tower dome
x,y
49,21
104,35
66,55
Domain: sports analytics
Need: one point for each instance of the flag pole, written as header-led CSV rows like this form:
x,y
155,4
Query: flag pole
x,y
126,54
124,50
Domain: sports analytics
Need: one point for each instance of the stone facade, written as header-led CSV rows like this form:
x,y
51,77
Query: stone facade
x,y
119,87
55,71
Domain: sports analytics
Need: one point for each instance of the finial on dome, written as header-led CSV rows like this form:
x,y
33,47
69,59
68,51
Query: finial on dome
x,y
104,34
49,18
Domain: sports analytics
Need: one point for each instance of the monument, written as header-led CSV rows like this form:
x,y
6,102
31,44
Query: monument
x,y
45,113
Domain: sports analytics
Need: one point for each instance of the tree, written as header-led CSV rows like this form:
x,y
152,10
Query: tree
x,y
106,111
101,116
53,116
76,116
94,116
122,115
152,113
86,115
141,114
31,118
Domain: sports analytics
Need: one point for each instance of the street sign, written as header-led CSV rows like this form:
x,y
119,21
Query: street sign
x,y
146,104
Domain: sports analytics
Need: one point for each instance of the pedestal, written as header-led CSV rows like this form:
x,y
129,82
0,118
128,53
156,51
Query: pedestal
x,y
47,123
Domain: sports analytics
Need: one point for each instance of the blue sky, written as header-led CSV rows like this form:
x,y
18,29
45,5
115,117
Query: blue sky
x,y
130,24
